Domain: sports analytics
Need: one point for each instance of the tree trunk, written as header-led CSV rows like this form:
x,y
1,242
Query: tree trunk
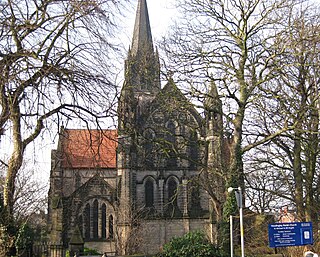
x,y
14,165
311,159
297,174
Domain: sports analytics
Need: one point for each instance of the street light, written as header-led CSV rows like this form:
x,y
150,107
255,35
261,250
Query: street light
x,y
238,193
231,236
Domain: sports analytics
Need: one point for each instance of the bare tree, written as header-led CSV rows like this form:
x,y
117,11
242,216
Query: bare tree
x,y
293,156
232,44
52,69
30,195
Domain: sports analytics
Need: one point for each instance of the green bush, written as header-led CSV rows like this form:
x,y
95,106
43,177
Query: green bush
x,y
88,251
193,244
25,237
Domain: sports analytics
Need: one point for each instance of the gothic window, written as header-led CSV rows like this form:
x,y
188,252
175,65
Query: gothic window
x,y
149,197
195,197
195,202
172,209
95,218
148,148
103,221
86,216
172,192
171,141
193,150
111,227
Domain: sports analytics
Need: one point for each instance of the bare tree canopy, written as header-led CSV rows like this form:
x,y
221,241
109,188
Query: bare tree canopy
x,y
231,43
293,158
56,62
245,48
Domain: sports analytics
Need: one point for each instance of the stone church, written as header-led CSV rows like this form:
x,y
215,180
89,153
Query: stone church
x,y
134,188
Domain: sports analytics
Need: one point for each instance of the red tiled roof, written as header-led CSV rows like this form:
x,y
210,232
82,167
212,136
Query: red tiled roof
x,y
82,148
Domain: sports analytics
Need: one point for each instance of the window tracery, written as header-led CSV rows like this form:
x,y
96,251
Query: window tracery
x,y
94,221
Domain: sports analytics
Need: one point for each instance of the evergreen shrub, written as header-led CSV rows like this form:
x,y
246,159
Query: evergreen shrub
x,y
193,244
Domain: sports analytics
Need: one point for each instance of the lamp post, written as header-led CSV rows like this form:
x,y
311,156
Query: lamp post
x,y
238,193
231,236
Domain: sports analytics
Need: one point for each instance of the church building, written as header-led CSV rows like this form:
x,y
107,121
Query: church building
x,y
132,189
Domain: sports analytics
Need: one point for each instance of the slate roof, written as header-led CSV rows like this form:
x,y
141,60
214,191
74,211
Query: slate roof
x,y
82,148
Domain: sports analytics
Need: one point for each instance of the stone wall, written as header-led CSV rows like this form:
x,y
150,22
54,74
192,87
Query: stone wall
x,y
155,233
101,247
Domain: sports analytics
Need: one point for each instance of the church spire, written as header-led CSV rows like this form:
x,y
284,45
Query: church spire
x,y
142,68
213,108
142,37
142,73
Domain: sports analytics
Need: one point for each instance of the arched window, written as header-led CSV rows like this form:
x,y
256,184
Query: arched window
x,y
193,150
104,221
172,192
86,216
95,211
171,140
111,227
149,197
195,197
172,209
195,209
148,148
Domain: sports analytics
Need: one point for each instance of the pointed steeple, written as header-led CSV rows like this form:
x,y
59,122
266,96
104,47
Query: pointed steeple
x,y
213,103
142,37
142,67
213,110
142,73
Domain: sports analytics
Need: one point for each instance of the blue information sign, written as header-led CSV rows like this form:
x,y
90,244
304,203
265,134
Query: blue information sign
x,y
290,234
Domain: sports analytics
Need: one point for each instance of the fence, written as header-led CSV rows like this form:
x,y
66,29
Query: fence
x,y
44,249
